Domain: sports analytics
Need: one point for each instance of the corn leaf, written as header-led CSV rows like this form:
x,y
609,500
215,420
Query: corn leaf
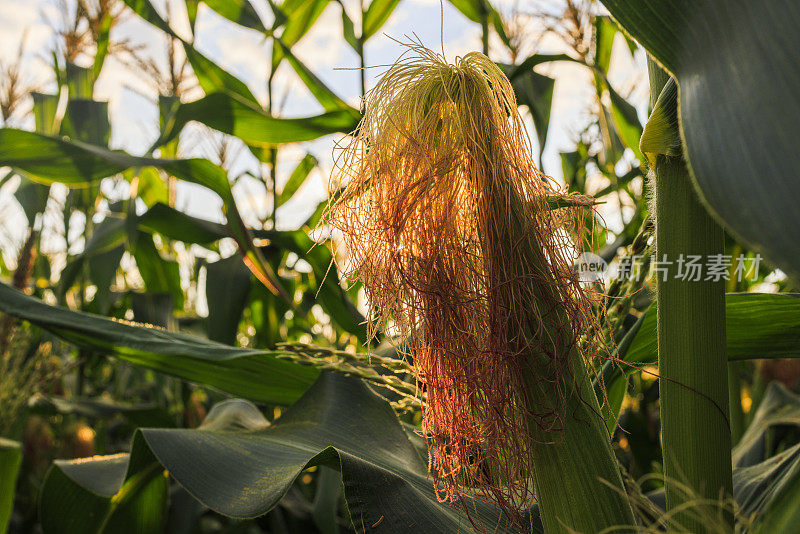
x,y
121,494
160,275
76,164
228,285
376,16
477,10
626,120
210,76
757,325
10,461
45,108
767,466
178,226
324,285
535,91
87,120
254,374
661,134
233,115
240,465
297,178
101,408
239,11
300,17
349,30
327,98
323,281
738,110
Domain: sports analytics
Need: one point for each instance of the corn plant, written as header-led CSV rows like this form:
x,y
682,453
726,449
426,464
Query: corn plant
x,y
487,388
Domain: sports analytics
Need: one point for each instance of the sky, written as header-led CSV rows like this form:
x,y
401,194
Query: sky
x,y
246,54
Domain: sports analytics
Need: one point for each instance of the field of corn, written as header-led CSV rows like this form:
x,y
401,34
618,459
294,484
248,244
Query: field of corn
x,y
283,294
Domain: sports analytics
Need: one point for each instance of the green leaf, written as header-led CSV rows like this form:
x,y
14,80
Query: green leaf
x,y
191,12
778,410
103,42
538,59
108,234
151,186
738,108
476,10
113,494
626,120
10,461
297,178
233,115
241,466
472,9
239,11
102,269
757,325
228,284
326,500
51,159
349,30
765,479
605,31
766,493
300,17
535,91
87,121
159,275
766,467
376,16
103,250
257,375
661,134
327,98
153,308
279,17
80,81
45,108
210,76
325,284
32,197
145,9
780,512
179,226
74,163
138,414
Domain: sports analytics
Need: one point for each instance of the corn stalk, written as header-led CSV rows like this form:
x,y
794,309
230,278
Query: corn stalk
x,y
692,358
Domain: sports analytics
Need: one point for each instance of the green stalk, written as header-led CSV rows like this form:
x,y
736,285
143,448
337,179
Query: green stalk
x,y
485,29
360,51
696,437
484,14
273,166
